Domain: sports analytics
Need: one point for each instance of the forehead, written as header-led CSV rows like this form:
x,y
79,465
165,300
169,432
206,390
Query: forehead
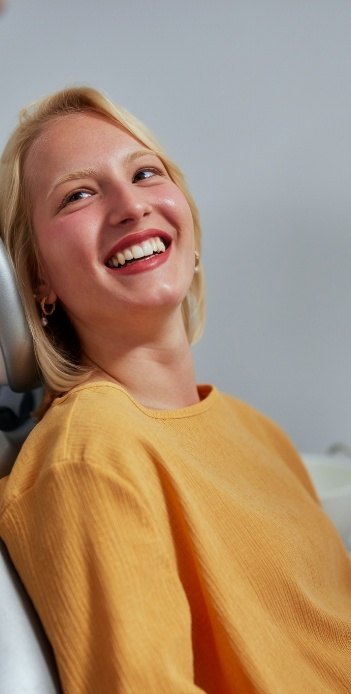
x,y
76,127
76,140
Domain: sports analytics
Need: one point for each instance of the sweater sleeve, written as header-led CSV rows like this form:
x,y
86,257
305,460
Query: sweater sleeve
x,y
90,553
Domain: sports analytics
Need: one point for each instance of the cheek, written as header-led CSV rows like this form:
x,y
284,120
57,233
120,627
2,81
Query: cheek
x,y
176,206
61,255
63,241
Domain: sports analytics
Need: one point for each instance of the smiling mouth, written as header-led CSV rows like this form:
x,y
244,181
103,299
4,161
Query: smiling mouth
x,y
138,251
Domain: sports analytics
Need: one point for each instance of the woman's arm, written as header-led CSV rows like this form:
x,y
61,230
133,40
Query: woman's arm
x,y
90,552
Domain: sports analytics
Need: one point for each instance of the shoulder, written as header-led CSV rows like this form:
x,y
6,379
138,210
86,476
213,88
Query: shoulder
x,y
95,430
93,411
270,434
97,400
253,420
248,418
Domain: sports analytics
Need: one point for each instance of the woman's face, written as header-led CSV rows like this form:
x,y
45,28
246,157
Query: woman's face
x,y
114,234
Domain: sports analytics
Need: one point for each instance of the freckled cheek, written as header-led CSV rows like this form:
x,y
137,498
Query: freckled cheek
x,y
60,248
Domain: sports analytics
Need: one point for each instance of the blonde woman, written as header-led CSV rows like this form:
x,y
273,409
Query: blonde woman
x,y
168,535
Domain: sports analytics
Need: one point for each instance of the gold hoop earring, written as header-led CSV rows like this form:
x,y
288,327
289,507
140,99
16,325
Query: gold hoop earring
x,y
197,262
46,310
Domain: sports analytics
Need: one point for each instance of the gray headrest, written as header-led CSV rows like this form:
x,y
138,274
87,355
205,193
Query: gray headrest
x,y
17,361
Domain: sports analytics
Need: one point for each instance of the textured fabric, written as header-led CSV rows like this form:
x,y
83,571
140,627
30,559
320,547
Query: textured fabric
x,y
177,552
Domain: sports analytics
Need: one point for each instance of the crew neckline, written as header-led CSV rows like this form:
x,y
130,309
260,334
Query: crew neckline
x,y
207,393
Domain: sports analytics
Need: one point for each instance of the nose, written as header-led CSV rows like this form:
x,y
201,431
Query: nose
x,y
128,203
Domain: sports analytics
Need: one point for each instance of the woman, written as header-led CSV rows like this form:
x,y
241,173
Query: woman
x,y
168,535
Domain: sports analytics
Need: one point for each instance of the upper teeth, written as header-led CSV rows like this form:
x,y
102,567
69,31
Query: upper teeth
x,y
138,250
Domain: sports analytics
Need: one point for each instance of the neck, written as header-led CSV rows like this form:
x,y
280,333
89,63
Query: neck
x,y
158,371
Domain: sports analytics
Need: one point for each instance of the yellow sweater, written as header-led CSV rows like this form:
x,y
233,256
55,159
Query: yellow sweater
x,y
177,552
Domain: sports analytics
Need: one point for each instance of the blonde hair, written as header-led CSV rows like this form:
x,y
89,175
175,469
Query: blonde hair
x,y
57,347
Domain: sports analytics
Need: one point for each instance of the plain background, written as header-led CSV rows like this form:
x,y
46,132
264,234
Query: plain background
x,y
253,99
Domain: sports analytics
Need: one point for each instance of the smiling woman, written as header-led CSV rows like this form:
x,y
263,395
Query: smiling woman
x,y
97,197
168,535
70,190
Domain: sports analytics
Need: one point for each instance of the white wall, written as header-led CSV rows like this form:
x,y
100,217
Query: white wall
x,y
253,99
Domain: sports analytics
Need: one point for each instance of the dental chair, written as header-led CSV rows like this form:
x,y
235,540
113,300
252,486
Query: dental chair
x,y
26,660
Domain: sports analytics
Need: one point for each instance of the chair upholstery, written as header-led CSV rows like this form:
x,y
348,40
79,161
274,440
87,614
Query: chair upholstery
x,y
17,363
26,661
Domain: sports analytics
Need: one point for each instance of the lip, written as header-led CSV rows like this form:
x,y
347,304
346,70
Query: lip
x,y
137,237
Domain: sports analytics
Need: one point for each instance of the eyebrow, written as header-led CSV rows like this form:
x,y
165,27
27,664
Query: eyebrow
x,y
89,172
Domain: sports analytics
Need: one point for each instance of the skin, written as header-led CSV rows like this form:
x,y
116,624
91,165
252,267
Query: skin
x,y
95,188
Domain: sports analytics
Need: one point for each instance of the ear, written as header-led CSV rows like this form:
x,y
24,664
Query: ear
x,y
43,289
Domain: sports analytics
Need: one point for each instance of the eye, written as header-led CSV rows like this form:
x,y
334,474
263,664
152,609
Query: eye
x,y
147,172
74,197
